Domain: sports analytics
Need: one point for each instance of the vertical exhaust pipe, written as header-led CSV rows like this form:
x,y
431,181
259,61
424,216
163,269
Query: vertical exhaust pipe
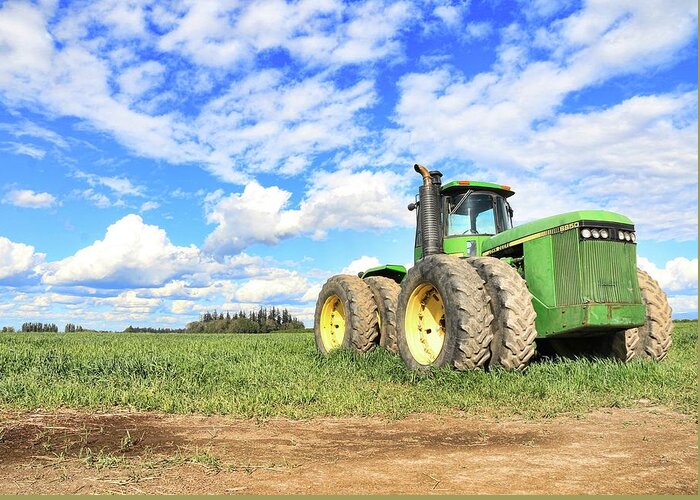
x,y
431,226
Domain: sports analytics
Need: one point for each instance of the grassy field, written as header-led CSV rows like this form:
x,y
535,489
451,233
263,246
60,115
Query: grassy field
x,y
282,375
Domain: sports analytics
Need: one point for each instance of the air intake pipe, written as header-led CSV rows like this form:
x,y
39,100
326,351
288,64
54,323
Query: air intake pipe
x,y
429,194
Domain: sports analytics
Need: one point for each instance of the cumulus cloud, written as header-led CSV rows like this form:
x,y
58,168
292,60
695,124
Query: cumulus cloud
x,y
677,275
360,264
17,259
281,284
362,200
27,198
681,304
132,253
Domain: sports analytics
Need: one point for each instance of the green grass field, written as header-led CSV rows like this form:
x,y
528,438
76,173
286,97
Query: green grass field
x,y
282,375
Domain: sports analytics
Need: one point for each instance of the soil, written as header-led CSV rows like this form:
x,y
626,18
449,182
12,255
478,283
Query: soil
x,y
634,451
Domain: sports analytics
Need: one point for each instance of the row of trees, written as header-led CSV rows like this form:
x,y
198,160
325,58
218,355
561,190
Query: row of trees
x,y
39,327
70,327
261,321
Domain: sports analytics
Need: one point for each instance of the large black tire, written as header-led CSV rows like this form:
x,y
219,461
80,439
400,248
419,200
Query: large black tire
x,y
386,297
361,331
653,339
513,328
467,316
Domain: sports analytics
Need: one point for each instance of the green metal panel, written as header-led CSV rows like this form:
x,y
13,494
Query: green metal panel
x,y
539,269
610,272
459,244
567,272
456,245
534,227
393,271
580,319
504,191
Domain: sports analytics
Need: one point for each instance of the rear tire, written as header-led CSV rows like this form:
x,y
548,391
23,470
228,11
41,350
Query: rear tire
x,y
649,341
443,296
653,339
386,297
513,327
345,316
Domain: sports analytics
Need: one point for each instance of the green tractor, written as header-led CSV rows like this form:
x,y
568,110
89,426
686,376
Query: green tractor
x,y
482,292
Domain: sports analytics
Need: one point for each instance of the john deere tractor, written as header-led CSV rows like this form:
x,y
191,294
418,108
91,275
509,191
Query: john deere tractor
x,y
482,293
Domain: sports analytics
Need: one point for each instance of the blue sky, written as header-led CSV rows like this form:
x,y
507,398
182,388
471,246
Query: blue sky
x,y
159,159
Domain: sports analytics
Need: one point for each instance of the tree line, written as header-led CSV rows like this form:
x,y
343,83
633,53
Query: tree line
x,y
263,320
39,327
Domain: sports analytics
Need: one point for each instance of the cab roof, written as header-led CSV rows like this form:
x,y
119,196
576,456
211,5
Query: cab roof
x,y
504,191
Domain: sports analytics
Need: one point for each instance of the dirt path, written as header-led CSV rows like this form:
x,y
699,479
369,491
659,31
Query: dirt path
x,y
648,450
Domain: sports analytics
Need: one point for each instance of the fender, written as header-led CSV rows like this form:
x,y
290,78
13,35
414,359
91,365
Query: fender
x,y
391,271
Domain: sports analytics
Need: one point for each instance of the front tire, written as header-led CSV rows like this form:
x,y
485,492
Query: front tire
x,y
513,327
444,317
345,315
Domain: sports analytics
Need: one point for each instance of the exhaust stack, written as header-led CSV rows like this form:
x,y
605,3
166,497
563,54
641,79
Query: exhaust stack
x,y
431,226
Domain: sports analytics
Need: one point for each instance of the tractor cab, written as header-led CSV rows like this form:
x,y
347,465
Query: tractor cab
x,y
471,212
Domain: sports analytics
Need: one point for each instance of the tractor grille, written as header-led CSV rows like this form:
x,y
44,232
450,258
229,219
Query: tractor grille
x,y
593,271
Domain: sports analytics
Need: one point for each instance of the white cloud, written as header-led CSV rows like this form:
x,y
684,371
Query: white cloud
x,y
97,199
20,148
684,303
131,254
141,78
17,259
677,275
27,198
95,75
360,264
149,205
215,35
273,123
122,186
362,200
278,285
30,129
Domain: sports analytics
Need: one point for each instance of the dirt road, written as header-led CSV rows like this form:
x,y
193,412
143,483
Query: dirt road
x,y
646,450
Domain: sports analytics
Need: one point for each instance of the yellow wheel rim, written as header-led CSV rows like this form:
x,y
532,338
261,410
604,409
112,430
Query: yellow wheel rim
x,y
332,323
425,324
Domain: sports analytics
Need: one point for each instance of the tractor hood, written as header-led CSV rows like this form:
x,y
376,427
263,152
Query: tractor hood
x,y
532,230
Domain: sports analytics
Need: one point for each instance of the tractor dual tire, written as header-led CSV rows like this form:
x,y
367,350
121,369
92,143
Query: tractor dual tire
x,y
345,316
513,327
444,318
653,339
386,297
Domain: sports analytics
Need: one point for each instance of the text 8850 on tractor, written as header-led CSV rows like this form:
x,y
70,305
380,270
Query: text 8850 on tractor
x,y
482,292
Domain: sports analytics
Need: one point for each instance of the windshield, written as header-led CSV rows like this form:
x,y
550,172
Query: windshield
x,y
473,213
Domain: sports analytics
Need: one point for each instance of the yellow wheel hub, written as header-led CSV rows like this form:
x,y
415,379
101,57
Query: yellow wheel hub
x,y
425,324
332,323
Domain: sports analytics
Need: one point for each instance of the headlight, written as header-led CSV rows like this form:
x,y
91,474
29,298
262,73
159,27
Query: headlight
x,y
595,233
627,236
633,237
620,235
586,233
604,233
